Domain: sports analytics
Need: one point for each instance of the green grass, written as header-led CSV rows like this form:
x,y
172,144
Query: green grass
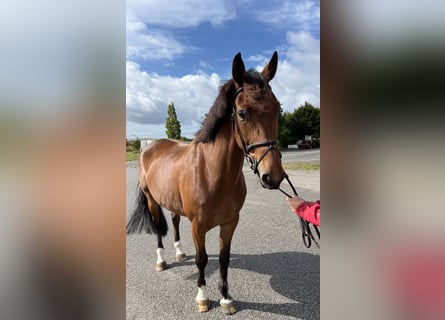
x,y
301,166
132,155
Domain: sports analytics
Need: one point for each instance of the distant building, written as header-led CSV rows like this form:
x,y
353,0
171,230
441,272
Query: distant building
x,y
145,143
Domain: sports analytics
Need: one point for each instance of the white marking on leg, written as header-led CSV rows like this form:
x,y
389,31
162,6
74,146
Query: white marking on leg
x,y
160,253
202,294
178,247
225,301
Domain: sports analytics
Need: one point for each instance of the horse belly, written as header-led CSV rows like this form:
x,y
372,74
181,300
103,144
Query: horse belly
x,y
164,191
166,194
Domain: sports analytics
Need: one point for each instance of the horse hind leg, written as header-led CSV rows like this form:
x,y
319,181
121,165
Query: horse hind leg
x,y
161,228
180,255
161,264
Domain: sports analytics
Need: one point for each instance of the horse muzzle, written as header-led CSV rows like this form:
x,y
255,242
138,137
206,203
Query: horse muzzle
x,y
268,181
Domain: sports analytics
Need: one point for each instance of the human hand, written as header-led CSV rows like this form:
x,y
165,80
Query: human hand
x,y
294,202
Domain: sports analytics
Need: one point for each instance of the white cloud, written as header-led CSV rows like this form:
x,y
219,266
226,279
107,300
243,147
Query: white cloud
x,y
205,65
257,58
150,44
303,41
181,14
298,15
293,87
148,96
146,19
303,51
298,75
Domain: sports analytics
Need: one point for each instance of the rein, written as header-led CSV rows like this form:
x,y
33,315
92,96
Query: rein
x,y
306,232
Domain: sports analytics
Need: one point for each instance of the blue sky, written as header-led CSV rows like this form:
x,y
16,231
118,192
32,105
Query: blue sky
x,y
182,51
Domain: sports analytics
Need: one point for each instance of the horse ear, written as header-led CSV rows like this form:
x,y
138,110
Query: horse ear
x,y
238,70
271,68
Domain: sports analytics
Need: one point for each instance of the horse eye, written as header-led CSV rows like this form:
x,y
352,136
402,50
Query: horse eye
x,y
242,115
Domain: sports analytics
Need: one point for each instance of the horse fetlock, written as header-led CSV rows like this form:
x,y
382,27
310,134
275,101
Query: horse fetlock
x,y
180,255
202,305
227,306
202,300
161,265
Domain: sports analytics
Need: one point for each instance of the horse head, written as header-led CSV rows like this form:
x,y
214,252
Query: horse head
x,y
255,116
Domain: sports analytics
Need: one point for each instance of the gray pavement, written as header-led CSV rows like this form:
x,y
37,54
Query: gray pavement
x,y
272,275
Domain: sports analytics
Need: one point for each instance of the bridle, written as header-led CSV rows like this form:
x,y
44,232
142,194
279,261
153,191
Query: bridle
x,y
247,148
306,233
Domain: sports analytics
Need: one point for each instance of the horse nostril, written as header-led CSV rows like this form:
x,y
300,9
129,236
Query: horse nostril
x,y
266,179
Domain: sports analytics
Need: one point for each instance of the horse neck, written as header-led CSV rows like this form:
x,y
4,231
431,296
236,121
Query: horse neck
x,y
226,157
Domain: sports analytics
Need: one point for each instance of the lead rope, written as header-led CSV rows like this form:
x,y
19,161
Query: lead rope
x,y
306,232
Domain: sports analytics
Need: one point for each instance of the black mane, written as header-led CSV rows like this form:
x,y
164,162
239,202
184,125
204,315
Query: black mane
x,y
222,107
218,112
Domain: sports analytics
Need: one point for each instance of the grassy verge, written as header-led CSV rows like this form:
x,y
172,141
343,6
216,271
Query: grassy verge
x,y
132,155
301,166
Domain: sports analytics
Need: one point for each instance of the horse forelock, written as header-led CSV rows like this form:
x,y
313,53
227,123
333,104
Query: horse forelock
x,y
254,78
259,95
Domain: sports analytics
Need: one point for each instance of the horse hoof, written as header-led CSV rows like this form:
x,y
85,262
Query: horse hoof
x,y
161,266
203,305
228,308
181,257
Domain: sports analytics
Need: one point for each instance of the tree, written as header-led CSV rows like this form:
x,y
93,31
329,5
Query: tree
x,y
137,144
296,125
285,136
309,119
172,125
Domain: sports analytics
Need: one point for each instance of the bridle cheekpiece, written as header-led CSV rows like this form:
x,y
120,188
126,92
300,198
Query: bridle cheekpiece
x,y
247,148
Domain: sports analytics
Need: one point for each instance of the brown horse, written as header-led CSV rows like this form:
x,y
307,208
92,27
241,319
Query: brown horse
x,y
204,180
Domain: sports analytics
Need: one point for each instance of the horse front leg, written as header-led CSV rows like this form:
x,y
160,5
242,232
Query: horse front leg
x,y
180,255
198,234
225,240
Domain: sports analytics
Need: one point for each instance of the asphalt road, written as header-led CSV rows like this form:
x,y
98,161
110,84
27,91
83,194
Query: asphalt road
x,y
272,275
301,155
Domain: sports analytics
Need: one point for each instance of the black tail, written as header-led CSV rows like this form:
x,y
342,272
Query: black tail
x,y
142,219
